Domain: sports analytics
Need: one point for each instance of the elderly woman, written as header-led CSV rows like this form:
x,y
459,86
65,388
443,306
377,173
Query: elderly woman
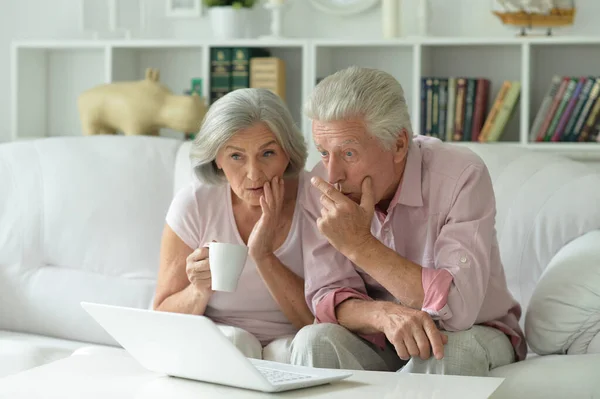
x,y
249,162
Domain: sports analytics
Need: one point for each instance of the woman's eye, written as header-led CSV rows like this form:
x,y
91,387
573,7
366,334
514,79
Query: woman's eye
x,y
236,157
268,153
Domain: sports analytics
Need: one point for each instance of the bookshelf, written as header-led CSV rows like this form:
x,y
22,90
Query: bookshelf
x,y
47,76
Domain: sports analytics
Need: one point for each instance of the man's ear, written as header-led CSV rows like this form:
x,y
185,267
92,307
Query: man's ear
x,y
401,148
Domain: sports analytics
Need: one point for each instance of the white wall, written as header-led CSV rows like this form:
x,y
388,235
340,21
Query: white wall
x,y
59,19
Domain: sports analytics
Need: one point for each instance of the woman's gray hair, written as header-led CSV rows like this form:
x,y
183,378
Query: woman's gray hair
x,y
239,110
372,95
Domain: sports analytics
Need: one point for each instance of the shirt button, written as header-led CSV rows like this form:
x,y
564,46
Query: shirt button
x,y
463,259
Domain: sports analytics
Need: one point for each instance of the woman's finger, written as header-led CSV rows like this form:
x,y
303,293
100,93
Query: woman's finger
x,y
268,194
281,195
275,190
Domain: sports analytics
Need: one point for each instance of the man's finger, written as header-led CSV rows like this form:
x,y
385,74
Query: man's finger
x,y
328,190
435,338
327,202
367,199
401,350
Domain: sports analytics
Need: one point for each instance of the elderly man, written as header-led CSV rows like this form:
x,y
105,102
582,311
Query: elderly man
x,y
408,273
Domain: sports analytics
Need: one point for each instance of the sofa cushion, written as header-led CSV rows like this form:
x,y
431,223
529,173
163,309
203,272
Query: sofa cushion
x,y
548,377
20,351
564,313
81,219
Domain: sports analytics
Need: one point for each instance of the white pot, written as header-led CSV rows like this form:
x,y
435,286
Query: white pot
x,y
229,22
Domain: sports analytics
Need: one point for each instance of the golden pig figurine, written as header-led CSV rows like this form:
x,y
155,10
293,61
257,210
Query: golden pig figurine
x,y
139,108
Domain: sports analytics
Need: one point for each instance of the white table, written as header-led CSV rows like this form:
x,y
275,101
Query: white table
x,y
117,375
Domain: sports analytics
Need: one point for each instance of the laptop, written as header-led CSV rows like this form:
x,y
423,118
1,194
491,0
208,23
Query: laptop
x,y
193,347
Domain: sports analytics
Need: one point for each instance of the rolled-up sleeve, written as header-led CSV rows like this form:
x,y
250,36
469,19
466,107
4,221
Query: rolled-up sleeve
x,y
455,288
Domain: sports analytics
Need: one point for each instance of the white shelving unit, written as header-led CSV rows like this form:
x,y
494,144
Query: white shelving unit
x,y
47,76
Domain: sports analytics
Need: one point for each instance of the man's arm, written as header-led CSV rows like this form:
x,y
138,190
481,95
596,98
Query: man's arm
x,y
401,277
453,292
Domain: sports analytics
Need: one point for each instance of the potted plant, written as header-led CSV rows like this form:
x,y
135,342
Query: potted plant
x,y
229,18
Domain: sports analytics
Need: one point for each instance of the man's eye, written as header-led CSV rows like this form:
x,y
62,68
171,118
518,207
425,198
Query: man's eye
x,y
349,153
323,153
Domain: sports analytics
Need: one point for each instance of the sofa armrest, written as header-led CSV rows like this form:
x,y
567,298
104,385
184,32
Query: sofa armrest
x,y
563,316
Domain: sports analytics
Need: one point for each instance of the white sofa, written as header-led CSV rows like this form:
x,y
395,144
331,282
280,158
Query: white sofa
x,y
81,220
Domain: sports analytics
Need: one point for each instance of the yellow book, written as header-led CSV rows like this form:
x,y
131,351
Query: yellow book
x,y
491,118
508,106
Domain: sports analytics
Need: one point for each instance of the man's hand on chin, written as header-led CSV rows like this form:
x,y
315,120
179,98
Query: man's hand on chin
x,y
346,225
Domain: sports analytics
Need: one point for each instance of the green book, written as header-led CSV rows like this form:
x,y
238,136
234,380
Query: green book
x,y
469,109
220,72
240,65
561,108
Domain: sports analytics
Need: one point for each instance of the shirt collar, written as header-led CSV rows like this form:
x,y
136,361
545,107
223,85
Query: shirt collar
x,y
409,190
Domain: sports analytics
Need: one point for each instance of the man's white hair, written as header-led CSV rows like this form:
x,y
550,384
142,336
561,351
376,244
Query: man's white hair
x,y
372,95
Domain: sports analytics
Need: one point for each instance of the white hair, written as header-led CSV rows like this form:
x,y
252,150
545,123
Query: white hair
x,y
372,95
239,110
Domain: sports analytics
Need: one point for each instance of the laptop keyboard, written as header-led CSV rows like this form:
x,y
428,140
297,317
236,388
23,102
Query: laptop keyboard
x,y
277,376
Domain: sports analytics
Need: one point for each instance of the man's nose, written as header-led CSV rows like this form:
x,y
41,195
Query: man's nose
x,y
335,171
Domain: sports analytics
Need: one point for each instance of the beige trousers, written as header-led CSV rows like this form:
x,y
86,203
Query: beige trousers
x,y
473,352
278,350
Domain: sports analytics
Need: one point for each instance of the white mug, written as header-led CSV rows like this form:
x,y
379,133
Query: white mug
x,y
226,264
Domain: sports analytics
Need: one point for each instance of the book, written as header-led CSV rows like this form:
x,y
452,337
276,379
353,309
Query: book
x,y
268,73
469,108
491,118
459,114
562,104
545,107
481,105
562,124
587,108
506,111
450,108
442,108
585,94
541,134
240,65
220,72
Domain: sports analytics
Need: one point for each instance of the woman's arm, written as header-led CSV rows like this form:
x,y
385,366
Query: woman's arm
x,y
286,288
174,292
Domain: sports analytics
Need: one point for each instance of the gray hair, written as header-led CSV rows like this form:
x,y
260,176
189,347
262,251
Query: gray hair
x,y
370,94
239,110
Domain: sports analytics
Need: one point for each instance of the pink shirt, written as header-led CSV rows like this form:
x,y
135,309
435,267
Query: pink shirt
x,y
201,213
442,217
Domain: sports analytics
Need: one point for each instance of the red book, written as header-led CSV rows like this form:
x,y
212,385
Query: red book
x,y
481,104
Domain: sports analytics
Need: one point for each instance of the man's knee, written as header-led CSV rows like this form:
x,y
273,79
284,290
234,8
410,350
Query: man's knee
x,y
464,354
318,337
332,346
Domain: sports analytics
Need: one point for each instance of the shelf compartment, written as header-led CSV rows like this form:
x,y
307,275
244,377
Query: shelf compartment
x,y
397,60
548,60
48,83
497,62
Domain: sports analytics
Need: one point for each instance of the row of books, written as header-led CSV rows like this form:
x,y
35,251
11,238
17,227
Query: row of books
x,y
570,111
233,68
456,108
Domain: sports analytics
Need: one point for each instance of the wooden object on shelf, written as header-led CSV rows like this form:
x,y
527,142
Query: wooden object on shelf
x,y
138,108
528,14
268,73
